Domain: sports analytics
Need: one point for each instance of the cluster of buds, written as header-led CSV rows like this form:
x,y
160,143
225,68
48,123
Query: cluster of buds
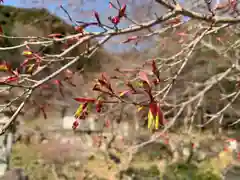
x,y
142,86
14,74
121,13
103,85
84,108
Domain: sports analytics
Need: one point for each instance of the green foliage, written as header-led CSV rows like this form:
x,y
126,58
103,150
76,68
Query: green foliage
x,y
143,173
37,22
27,158
9,15
183,171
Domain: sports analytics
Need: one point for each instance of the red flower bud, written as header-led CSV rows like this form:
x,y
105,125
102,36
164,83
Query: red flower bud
x,y
115,20
99,106
79,29
75,124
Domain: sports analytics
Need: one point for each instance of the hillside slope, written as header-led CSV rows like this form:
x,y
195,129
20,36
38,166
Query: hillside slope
x,y
23,23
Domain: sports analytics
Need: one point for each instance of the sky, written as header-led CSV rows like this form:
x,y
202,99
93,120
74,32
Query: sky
x,y
101,6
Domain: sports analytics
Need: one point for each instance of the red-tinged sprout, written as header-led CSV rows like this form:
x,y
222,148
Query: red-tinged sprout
x,y
42,108
72,40
175,20
79,29
16,72
59,86
97,88
9,79
181,34
55,35
233,4
97,17
85,106
57,82
154,67
143,76
111,5
155,82
153,108
44,86
103,83
131,39
39,58
99,106
27,46
84,100
122,11
84,115
75,124
155,72
24,62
